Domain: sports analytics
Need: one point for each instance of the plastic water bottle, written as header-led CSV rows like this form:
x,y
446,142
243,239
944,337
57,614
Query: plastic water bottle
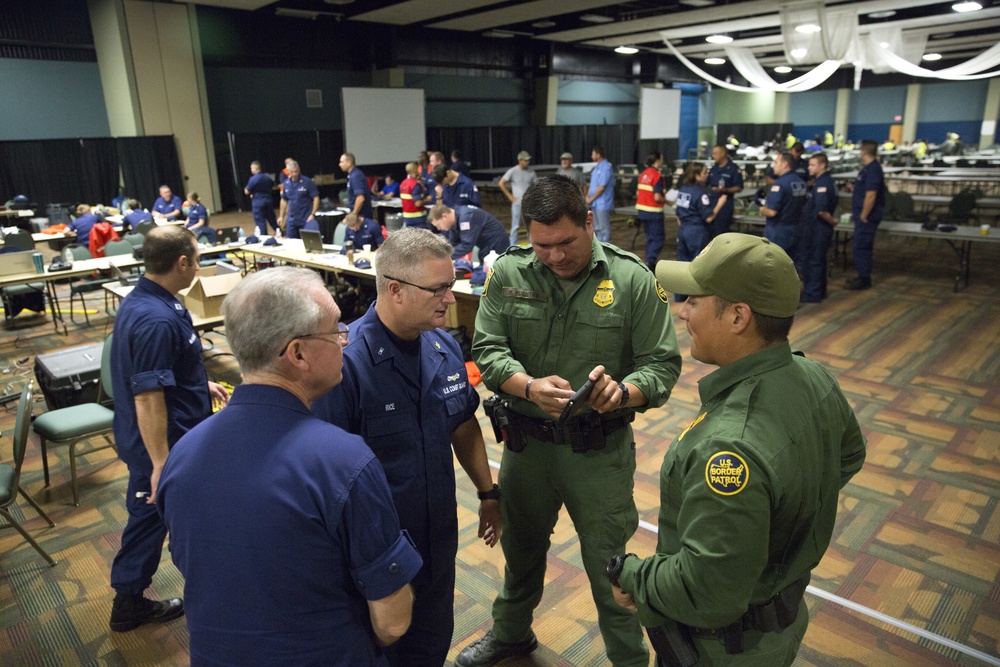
x,y
256,231
243,236
277,234
489,259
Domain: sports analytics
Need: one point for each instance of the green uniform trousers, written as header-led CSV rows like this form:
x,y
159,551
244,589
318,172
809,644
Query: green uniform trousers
x,y
596,487
763,649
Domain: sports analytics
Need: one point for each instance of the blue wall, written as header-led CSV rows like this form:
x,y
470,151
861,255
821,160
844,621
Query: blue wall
x,y
597,103
45,99
953,106
812,108
273,100
876,106
468,101
877,131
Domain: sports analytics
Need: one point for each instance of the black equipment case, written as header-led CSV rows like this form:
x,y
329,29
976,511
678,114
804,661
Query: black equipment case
x,y
70,377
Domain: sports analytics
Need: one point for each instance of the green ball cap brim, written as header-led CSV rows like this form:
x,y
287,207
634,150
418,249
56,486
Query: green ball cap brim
x,y
739,268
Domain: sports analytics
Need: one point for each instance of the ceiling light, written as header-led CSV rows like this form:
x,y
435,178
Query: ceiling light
x,y
718,39
626,50
932,56
807,28
698,3
882,15
596,18
500,34
543,24
782,69
799,53
715,61
943,35
296,13
968,6
884,45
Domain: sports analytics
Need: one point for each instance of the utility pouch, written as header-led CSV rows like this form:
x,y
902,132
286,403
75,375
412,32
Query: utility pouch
x,y
673,645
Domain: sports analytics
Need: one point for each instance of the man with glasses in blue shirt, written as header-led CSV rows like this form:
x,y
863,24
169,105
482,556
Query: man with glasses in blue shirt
x,y
407,393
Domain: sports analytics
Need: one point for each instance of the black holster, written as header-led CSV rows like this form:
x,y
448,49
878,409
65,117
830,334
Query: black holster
x,y
773,616
506,426
673,645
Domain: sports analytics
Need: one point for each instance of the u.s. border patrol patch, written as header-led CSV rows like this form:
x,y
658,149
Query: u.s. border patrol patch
x,y
727,473
662,293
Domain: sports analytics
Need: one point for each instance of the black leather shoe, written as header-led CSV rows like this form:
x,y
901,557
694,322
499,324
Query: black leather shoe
x,y
489,651
129,612
858,283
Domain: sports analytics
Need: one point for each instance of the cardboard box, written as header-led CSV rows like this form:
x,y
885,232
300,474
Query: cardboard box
x,y
204,297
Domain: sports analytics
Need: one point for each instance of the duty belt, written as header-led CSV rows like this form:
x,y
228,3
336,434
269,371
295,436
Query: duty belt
x,y
585,426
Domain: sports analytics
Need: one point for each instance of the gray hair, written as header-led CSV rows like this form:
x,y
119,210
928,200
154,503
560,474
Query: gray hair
x,y
405,249
269,308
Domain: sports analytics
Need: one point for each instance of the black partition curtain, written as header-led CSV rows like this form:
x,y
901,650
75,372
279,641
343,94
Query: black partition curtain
x,y
146,164
754,134
66,171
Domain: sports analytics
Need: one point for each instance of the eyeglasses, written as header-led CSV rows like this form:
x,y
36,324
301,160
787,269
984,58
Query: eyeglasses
x,y
342,331
436,291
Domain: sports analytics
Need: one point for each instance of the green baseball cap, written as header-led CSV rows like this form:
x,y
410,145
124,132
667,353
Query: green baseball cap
x,y
739,268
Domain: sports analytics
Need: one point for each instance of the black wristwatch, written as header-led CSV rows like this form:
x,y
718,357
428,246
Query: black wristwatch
x,y
492,494
621,385
615,566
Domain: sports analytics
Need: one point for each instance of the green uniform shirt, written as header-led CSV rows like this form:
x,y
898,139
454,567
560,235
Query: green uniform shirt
x,y
615,315
748,492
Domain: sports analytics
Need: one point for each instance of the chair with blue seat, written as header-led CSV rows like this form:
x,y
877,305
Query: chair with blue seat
x,y
135,239
10,475
339,234
78,423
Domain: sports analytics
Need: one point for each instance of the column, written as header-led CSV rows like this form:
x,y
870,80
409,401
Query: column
x,y
910,111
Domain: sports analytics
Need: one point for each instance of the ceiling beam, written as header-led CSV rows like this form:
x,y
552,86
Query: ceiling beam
x,y
529,11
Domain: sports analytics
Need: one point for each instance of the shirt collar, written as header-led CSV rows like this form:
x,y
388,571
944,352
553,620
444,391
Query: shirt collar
x,y
597,256
268,395
726,377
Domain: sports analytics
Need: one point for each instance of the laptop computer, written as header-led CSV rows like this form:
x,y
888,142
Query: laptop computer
x,y
229,235
313,241
126,279
15,263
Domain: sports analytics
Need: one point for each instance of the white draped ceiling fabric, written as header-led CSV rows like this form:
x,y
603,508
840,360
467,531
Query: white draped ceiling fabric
x,y
839,42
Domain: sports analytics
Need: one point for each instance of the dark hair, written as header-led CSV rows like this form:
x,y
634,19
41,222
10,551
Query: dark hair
x,y
821,157
799,146
551,198
164,245
653,157
691,172
599,150
440,172
788,159
456,154
771,329
869,147
722,146
350,158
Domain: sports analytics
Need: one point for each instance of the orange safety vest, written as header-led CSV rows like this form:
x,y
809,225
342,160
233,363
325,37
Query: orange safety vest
x,y
646,201
411,208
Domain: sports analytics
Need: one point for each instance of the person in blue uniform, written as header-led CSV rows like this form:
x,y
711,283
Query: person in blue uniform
x,y
167,206
801,164
457,164
390,188
601,194
138,214
197,219
783,208
359,196
259,189
456,189
299,201
695,213
818,222
161,392
83,223
318,575
362,232
867,207
431,181
407,393
468,227
724,178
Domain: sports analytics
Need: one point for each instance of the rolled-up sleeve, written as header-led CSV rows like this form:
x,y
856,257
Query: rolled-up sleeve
x,y
153,356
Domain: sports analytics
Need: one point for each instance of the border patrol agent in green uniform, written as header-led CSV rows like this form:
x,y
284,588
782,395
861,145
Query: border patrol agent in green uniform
x,y
551,317
748,491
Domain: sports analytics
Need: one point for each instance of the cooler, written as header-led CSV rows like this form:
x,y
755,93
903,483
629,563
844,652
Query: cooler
x,y
70,377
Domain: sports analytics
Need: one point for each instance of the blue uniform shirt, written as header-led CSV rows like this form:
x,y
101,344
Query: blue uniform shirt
x,y
260,187
82,226
869,179
135,217
430,185
822,197
299,195
284,529
357,184
462,193
727,177
391,190
369,233
196,213
461,168
175,204
602,175
475,228
787,196
693,205
155,347
802,169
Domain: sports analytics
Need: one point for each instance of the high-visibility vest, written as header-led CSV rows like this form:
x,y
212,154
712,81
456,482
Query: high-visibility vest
x,y
646,201
411,208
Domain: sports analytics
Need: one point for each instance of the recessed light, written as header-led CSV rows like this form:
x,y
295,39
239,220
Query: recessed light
x,y
782,69
715,61
883,45
799,53
932,56
596,18
500,34
807,28
543,24
718,39
943,35
626,50
882,15
969,6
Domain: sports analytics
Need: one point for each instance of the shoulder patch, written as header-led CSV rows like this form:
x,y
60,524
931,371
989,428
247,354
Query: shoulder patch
x,y
486,283
726,473
662,293
775,188
705,201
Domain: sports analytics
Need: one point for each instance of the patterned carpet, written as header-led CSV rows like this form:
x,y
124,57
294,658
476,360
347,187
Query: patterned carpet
x,y
917,534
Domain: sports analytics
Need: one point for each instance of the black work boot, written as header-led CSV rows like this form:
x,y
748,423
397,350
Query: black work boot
x,y
489,651
129,611
858,283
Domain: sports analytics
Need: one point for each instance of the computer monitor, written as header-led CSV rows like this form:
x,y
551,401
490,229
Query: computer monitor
x,y
312,240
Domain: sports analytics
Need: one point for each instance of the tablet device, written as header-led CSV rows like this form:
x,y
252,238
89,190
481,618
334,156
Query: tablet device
x,y
576,404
